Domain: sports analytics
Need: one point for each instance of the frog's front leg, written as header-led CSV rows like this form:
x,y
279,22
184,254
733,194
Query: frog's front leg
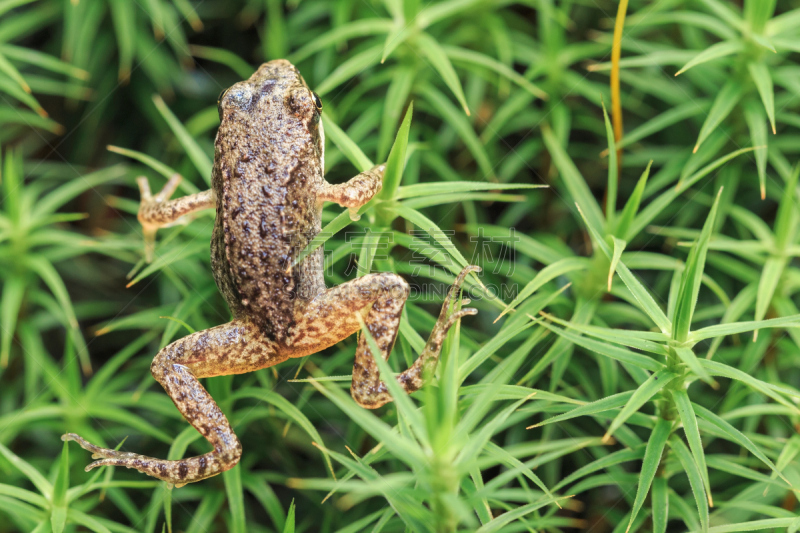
x,y
159,211
355,192
233,348
331,317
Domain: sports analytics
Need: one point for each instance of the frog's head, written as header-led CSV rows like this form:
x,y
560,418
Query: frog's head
x,y
275,93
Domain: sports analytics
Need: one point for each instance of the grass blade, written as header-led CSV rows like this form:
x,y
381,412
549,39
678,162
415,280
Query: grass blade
x,y
691,278
242,68
642,395
196,154
756,123
346,145
58,514
632,207
10,303
459,122
469,56
123,15
233,489
614,352
692,431
619,247
724,103
351,68
641,294
763,80
397,159
401,447
288,526
340,34
519,512
544,276
512,462
11,71
428,226
715,51
396,98
652,459
734,435
599,406
438,58
695,480
39,481
720,330
660,504
576,185
289,409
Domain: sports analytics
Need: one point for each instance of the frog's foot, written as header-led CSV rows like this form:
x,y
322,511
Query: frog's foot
x,y
447,317
159,211
178,473
149,214
109,457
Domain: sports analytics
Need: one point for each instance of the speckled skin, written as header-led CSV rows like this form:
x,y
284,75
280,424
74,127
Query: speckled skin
x,y
268,190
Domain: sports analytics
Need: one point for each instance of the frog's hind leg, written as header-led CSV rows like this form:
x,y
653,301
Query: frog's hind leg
x,y
233,348
331,317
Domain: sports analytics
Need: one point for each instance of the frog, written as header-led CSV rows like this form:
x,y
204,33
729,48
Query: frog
x,y
268,190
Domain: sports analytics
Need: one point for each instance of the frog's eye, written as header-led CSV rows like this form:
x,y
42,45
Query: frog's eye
x,y
317,101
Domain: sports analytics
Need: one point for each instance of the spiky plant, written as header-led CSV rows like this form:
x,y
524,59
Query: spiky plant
x,y
633,366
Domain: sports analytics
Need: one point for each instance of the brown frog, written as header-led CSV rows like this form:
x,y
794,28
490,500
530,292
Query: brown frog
x,y
268,190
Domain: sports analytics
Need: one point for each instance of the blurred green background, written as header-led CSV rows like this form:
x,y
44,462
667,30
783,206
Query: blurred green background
x,y
649,321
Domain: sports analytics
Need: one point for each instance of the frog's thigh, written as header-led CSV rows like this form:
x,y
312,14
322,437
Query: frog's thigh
x,y
331,317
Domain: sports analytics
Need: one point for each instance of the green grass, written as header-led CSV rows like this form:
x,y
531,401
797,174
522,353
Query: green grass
x,y
641,374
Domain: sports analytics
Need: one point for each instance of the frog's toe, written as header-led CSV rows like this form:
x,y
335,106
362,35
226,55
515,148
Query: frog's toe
x,y
455,288
85,444
459,314
93,465
109,457
104,462
169,188
97,451
126,459
144,188
462,276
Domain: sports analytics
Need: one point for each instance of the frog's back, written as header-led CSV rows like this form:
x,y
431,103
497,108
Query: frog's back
x,y
267,167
